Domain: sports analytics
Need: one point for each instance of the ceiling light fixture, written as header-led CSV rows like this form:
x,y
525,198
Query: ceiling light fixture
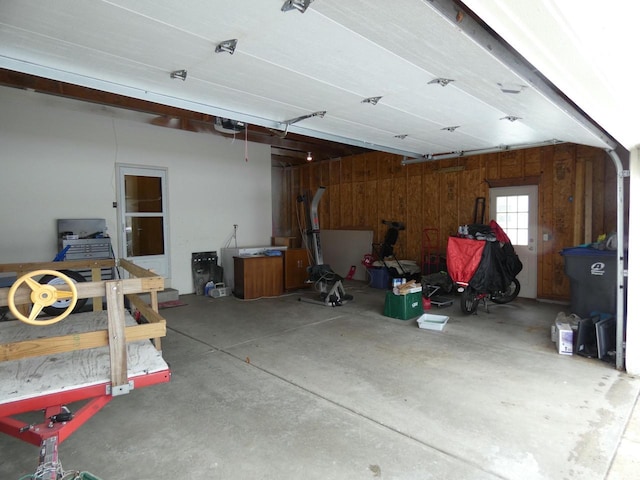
x,y
443,82
309,157
228,46
299,5
320,114
371,100
181,74
511,118
450,129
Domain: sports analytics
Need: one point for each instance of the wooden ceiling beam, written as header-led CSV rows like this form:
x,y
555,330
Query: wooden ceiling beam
x,y
298,145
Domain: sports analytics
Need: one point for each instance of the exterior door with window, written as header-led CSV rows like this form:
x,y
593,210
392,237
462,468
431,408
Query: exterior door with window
x,y
516,211
142,212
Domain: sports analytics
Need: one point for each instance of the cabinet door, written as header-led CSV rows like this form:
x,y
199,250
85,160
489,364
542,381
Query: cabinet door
x,y
295,270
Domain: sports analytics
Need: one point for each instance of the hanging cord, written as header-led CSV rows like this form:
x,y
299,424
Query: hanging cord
x,y
233,237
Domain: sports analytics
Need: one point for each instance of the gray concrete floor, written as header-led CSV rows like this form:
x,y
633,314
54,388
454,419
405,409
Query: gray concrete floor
x,y
283,389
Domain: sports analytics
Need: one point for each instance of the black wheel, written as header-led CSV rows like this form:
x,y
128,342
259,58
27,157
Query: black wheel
x,y
469,301
61,305
509,295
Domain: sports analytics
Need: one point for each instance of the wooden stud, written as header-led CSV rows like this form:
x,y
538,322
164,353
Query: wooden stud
x,y
117,338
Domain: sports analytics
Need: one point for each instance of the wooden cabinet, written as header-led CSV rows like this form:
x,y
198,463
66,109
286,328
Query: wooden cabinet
x,y
296,261
258,276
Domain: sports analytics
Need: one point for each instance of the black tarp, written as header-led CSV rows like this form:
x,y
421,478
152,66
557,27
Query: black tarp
x,y
498,267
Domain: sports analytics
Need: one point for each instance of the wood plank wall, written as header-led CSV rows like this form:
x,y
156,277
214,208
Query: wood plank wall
x,y
576,195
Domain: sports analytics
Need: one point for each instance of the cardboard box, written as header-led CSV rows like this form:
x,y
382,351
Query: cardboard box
x,y
565,339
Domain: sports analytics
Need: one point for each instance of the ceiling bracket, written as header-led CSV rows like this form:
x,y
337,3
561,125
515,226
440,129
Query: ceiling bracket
x,y
443,82
181,74
228,46
371,100
299,5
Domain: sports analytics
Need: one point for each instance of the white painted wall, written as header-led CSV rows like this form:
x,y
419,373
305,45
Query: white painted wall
x,y
57,160
633,280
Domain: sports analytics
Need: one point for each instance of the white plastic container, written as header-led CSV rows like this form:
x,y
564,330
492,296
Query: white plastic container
x,y
432,322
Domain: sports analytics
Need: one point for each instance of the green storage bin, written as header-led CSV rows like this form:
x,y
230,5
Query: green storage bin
x,y
403,307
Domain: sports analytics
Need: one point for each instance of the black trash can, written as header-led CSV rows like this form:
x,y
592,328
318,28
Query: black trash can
x,y
592,274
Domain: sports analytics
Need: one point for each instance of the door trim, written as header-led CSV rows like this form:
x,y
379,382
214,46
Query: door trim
x,y
531,190
123,169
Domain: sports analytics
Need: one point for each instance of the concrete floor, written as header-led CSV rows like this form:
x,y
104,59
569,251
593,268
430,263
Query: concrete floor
x,y
283,389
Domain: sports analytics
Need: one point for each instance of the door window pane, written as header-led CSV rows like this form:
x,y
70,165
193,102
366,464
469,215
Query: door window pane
x,y
512,214
143,194
144,236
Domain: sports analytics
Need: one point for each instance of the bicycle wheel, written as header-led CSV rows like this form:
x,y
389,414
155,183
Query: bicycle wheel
x,y
469,301
509,294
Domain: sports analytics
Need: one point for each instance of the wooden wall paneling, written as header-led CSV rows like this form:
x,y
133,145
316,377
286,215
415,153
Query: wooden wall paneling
x,y
324,173
546,249
346,170
385,208
588,202
359,204
448,205
511,164
598,209
359,168
563,197
371,201
532,161
346,205
471,187
359,176
294,191
492,165
399,211
334,172
385,166
331,208
578,202
333,194
414,216
314,177
431,203
415,169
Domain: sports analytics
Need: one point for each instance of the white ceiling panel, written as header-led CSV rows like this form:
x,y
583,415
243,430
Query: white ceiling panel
x,y
291,64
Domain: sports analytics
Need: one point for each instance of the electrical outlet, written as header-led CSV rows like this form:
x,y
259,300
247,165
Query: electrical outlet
x,y
545,237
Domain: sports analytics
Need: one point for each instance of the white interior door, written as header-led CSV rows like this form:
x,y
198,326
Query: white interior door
x,y
516,211
142,213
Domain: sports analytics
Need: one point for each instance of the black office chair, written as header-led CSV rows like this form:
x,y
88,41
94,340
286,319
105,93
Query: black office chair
x,y
384,250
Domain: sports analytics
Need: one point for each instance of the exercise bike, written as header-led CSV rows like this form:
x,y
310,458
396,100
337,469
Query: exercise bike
x,y
327,282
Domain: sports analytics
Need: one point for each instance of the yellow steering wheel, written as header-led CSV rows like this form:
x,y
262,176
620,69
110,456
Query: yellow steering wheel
x,y
43,296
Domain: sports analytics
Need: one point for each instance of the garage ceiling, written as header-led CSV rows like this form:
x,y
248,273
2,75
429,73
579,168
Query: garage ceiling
x,y
413,77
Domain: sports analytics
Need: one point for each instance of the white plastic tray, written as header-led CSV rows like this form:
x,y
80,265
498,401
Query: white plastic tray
x,y
432,322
